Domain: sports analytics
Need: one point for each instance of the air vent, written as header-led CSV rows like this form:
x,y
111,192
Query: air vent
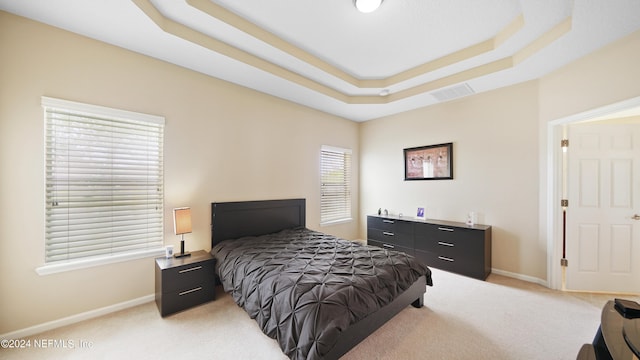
x,y
453,92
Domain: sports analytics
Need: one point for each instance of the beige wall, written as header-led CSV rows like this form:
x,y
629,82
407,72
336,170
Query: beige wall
x,y
495,137
222,143
607,76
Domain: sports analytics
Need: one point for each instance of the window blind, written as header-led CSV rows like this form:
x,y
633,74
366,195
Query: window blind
x,y
335,199
104,181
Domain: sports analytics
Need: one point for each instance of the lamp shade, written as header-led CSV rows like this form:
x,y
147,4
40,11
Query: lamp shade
x,y
182,220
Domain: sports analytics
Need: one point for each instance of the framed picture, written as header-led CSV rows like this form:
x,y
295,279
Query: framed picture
x,y
433,162
420,213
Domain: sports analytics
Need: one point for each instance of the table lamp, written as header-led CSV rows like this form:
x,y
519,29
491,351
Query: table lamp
x,y
181,226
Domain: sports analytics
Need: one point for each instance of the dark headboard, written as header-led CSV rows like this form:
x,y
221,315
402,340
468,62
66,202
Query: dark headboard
x,y
231,220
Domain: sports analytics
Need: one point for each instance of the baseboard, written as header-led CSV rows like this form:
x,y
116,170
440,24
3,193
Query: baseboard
x,y
37,329
531,279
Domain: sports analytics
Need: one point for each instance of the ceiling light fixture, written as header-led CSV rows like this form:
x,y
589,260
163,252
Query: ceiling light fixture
x,y
367,6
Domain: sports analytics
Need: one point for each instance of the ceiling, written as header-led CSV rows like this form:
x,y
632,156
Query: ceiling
x,y
326,55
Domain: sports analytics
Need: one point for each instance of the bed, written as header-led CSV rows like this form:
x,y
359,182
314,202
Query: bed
x,y
316,294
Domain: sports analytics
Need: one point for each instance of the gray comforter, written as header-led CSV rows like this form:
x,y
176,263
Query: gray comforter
x,y
304,287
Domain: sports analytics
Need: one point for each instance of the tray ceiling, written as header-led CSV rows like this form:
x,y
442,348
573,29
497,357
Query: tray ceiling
x,y
328,56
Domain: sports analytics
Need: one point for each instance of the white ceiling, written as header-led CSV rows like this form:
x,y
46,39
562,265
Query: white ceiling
x,y
326,55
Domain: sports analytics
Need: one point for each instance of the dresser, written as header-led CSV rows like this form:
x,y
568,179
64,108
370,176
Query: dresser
x,y
185,282
447,245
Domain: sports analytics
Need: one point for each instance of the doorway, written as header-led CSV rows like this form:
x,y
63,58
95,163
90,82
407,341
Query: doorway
x,y
557,179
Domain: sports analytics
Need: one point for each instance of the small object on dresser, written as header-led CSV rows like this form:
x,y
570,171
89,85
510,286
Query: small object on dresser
x,y
168,251
379,211
386,212
472,218
627,308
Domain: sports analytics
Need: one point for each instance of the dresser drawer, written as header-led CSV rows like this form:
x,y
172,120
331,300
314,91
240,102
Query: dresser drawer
x,y
390,237
389,246
392,225
460,265
437,261
452,240
453,254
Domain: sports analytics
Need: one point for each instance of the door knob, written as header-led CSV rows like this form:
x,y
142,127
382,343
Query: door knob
x,y
635,217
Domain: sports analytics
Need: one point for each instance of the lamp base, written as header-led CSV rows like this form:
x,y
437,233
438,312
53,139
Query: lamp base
x,y
182,253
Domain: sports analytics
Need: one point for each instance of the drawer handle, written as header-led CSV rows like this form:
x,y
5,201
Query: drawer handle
x,y
190,291
445,229
388,233
445,243
388,221
190,269
445,258
388,246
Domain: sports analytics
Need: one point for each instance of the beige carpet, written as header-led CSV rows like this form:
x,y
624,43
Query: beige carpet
x,y
463,318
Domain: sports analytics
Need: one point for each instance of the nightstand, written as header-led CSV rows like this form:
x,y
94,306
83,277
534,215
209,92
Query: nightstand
x,y
185,282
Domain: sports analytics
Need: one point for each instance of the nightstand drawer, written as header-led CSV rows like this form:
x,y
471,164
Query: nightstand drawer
x,y
187,276
179,300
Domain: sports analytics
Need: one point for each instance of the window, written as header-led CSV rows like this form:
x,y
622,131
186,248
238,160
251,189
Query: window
x,y
104,182
335,199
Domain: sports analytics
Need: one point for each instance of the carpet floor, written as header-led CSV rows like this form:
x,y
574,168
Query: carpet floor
x,y
463,318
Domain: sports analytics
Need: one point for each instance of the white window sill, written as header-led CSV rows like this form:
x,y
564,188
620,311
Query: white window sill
x,y
336,222
77,264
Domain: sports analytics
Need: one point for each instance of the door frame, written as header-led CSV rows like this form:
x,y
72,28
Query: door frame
x,y
555,134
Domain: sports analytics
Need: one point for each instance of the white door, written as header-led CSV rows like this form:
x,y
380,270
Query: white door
x,y
603,233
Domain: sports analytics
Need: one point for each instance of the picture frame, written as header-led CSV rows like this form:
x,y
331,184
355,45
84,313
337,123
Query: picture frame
x,y
420,214
431,162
